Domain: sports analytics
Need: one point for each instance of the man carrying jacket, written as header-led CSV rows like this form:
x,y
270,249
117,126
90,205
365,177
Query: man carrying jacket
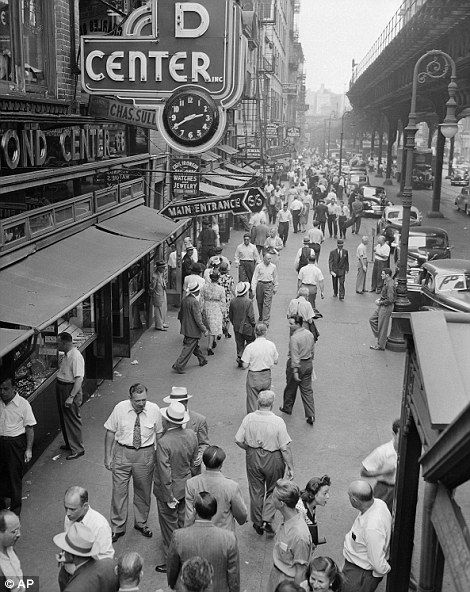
x,y
242,317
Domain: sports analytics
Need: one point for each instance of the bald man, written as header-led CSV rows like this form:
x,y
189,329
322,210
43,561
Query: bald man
x,y
366,545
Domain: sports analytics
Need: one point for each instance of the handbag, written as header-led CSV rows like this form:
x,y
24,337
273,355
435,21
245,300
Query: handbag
x,y
313,529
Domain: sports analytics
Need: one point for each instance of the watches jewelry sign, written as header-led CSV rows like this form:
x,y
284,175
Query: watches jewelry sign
x,y
272,130
293,132
185,176
168,47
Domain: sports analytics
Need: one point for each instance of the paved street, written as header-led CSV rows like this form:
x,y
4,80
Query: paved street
x,y
357,396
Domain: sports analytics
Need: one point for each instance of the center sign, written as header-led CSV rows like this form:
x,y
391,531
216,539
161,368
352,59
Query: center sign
x,y
189,53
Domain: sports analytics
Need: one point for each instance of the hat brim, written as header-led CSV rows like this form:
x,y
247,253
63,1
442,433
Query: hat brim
x,y
169,398
172,420
59,541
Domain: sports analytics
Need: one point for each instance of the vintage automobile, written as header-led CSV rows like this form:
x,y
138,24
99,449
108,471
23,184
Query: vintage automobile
x,y
393,216
356,180
442,285
374,200
459,177
422,177
462,201
425,243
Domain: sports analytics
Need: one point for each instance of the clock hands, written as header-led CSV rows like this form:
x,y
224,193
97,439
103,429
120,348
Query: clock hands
x,y
188,118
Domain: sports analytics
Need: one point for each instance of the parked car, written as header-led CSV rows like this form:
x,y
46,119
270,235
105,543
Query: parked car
x,y
422,177
356,180
462,201
374,200
459,177
443,285
425,243
393,216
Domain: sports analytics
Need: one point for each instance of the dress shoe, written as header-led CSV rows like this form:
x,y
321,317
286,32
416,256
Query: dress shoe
x,y
210,352
376,347
166,325
116,535
160,329
202,362
161,568
285,411
144,530
178,370
239,363
258,528
310,420
268,529
65,447
74,455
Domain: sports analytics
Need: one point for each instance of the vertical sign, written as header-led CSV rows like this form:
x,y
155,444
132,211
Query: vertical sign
x,y
185,176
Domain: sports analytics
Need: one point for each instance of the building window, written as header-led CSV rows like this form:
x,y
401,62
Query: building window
x,y
33,41
5,41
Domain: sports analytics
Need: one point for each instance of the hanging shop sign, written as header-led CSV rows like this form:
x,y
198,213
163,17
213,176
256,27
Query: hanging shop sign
x,y
189,54
238,202
185,176
253,153
123,112
271,130
116,176
293,132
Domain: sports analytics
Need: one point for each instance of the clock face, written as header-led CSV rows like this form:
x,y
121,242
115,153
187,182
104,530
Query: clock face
x,y
190,117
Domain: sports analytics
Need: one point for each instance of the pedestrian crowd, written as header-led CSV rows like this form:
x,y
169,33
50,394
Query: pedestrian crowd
x,y
167,450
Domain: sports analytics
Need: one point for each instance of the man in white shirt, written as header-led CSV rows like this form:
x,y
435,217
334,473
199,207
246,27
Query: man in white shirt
x,y
246,257
77,509
332,215
10,567
316,237
263,435
131,433
362,263
381,464
69,395
366,546
187,242
311,277
381,255
296,208
264,285
172,264
17,423
284,217
259,357
301,306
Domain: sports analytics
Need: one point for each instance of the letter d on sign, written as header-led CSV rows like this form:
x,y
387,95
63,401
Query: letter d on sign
x,y
180,9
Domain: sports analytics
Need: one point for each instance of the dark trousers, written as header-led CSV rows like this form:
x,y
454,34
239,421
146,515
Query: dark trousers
x,y
296,219
358,579
255,383
246,270
272,213
263,469
70,417
241,341
376,280
317,248
338,285
322,224
283,231
190,346
305,386
332,226
170,520
12,451
356,224
342,226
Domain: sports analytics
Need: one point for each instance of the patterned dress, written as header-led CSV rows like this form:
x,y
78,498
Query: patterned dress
x,y
213,309
228,284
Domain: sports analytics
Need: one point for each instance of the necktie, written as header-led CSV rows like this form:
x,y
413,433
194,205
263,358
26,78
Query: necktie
x,y
136,438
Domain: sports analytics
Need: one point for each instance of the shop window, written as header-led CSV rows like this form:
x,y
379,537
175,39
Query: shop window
x,y
33,41
64,214
126,193
105,198
5,42
14,232
40,222
83,207
79,322
136,279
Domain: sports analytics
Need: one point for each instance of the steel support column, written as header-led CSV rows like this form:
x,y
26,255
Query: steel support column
x,y
437,186
379,149
391,137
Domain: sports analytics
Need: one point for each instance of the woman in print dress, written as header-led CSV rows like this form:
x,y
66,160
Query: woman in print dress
x,y
228,284
213,308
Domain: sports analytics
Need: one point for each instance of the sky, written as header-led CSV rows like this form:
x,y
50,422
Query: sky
x,y
334,32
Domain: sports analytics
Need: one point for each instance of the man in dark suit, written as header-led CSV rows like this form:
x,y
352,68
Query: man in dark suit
x,y
242,317
217,545
197,422
339,267
175,457
192,328
320,214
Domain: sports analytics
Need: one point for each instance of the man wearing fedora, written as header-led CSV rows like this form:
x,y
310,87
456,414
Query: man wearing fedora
x,y
197,422
339,267
158,295
176,456
79,550
192,328
242,317
131,432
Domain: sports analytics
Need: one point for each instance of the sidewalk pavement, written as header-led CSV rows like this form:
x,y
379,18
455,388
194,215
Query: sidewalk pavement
x,y
357,396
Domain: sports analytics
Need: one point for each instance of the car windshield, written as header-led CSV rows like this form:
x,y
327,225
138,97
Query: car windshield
x,y
422,241
458,282
358,178
398,214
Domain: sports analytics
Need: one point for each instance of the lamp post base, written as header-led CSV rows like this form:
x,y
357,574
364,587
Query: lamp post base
x,y
388,182
435,215
396,340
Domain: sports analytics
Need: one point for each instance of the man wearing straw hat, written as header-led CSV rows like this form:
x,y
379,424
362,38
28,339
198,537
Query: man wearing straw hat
x,y
197,422
89,574
176,456
242,317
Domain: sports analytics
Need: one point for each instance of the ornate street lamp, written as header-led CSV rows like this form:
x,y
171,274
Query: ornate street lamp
x,y
437,67
341,137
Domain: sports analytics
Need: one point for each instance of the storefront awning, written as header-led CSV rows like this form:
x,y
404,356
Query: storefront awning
x,y
209,156
231,175
227,149
246,170
212,190
142,223
11,338
224,181
42,287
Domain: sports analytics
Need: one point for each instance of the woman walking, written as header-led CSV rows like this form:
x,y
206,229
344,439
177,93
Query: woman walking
x,y
316,493
213,307
228,284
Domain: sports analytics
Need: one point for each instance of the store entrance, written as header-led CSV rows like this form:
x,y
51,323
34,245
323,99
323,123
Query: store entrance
x,y
120,317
